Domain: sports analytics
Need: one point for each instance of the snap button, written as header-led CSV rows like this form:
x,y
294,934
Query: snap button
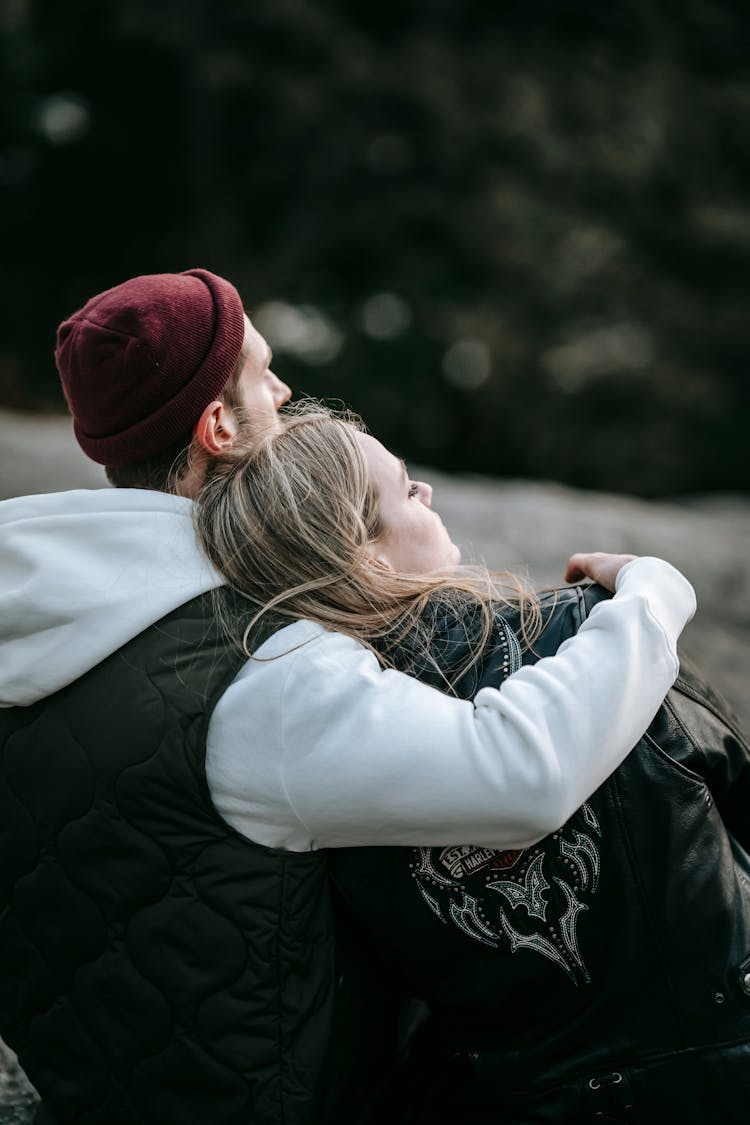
x,y
744,976
718,997
613,1079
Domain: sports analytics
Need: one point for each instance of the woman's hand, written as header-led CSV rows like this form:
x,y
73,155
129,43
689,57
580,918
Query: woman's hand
x,y
598,566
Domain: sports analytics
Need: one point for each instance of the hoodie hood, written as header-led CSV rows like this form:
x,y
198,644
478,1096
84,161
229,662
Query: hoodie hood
x,y
82,573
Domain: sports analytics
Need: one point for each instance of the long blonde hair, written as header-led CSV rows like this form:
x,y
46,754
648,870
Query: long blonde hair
x,y
288,523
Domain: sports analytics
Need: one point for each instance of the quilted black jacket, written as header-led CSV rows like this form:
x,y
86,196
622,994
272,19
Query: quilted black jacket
x,y
601,974
157,967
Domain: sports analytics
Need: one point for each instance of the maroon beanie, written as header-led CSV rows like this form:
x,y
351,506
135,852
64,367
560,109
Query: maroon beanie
x,y
140,363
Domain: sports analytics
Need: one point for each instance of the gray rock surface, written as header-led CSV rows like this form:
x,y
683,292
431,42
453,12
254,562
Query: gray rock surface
x,y
510,524
18,1098
518,525
535,527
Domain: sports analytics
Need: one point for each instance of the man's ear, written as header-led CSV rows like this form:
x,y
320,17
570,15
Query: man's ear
x,y
216,429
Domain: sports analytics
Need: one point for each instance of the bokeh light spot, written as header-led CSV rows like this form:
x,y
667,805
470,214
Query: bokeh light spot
x,y
63,118
467,364
301,330
385,316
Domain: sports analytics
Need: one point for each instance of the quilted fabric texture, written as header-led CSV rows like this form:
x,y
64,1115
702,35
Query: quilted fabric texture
x,y
165,968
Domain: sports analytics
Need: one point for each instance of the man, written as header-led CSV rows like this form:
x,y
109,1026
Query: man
x,y
229,377
166,967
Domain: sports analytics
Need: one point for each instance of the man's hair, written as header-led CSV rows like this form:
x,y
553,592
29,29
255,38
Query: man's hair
x,y
288,522
163,471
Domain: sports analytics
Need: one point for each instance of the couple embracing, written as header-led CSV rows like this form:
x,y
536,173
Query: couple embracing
x,y
305,822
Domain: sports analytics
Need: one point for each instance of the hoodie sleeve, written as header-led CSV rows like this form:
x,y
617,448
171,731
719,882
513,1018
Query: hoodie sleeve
x,y
348,754
372,757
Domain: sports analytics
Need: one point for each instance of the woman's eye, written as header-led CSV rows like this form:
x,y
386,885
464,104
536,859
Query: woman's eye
x,y
413,490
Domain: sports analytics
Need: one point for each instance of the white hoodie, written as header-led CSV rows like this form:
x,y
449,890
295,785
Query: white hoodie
x,y
315,745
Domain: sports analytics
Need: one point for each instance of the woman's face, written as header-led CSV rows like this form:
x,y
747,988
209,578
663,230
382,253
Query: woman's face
x,y
413,538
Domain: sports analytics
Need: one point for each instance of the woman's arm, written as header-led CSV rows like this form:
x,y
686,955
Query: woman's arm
x,y
343,753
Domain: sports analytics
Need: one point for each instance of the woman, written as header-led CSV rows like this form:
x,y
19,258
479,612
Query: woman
x,y
510,945
346,548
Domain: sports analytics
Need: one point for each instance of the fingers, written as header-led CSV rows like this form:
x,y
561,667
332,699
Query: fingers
x,y
581,565
598,566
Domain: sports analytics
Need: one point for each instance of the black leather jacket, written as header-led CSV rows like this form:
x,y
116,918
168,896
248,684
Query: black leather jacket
x,y
601,974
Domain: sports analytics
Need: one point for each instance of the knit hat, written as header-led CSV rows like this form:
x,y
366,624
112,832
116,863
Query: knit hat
x,y
140,363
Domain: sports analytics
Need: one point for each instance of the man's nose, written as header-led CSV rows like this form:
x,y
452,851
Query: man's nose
x,y
280,391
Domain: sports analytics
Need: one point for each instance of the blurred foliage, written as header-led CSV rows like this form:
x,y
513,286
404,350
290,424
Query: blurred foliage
x,y
513,236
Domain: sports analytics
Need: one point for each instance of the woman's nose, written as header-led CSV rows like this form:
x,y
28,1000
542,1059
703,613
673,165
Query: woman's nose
x,y
426,493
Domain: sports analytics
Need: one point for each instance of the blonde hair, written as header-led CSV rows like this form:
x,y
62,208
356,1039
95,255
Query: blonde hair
x,y
288,523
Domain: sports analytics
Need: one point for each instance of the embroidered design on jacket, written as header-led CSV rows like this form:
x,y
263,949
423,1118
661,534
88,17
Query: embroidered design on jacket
x,y
530,893
519,900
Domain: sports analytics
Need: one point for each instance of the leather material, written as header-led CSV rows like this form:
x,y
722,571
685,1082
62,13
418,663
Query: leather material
x,y
601,971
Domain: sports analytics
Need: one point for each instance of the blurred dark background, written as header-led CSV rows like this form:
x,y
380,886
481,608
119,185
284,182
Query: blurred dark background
x,y
515,237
